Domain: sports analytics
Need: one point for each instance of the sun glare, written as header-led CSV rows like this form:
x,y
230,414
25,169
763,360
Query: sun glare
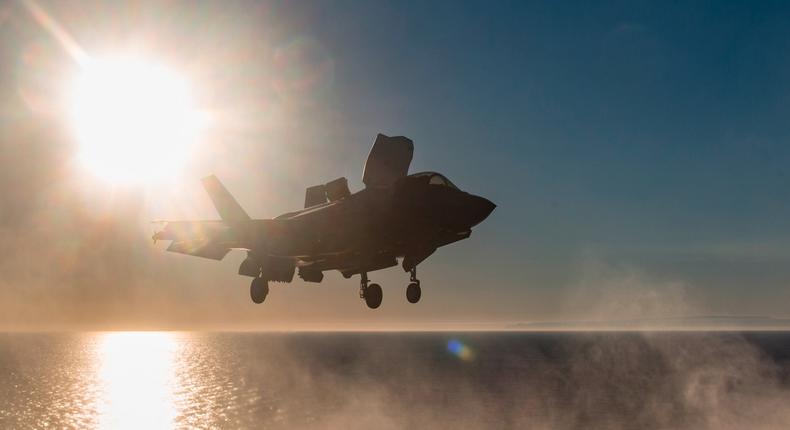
x,y
135,121
137,371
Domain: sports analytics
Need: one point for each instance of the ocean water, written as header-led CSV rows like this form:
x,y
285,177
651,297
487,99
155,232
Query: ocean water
x,y
154,380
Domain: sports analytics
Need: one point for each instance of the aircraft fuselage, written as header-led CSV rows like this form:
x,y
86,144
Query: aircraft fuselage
x,y
368,230
395,216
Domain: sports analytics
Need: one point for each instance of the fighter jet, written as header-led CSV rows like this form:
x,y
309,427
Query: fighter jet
x,y
396,216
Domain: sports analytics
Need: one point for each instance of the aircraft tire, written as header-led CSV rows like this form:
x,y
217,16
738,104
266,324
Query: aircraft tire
x,y
373,296
413,292
259,289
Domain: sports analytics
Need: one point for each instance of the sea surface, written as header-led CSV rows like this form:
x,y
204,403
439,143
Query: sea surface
x,y
150,380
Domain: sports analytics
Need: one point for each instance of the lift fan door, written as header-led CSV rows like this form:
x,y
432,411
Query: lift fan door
x,y
329,192
389,160
314,196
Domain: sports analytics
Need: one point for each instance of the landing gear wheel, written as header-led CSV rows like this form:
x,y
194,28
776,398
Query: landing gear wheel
x,y
413,292
259,289
373,296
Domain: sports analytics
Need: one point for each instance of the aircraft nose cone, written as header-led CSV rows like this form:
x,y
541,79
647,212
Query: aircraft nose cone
x,y
480,209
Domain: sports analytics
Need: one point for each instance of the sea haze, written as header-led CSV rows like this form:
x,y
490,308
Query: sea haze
x,y
688,380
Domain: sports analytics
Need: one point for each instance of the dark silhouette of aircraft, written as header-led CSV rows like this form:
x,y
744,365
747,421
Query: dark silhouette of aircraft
x,y
396,216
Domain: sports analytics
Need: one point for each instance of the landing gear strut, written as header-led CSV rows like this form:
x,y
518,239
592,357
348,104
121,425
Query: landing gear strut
x,y
371,293
259,289
413,291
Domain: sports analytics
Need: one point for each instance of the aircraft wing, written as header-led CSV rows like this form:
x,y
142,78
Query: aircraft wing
x,y
207,239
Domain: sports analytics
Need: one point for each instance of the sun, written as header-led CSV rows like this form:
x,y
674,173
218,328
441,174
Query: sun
x,y
135,120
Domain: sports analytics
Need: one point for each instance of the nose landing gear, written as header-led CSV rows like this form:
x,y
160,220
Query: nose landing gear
x,y
371,293
413,291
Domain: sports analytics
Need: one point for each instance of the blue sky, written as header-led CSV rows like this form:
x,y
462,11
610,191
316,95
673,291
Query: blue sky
x,y
648,134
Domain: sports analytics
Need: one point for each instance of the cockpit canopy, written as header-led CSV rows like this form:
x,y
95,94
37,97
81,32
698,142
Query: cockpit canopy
x,y
434,178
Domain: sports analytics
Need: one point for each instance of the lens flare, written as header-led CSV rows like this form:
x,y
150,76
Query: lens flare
x,y
460,350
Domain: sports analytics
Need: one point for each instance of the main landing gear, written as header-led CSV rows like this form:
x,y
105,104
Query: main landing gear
x,y
370,292
259,289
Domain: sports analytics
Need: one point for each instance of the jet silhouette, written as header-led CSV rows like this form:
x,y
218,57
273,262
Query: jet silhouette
x,y
397,215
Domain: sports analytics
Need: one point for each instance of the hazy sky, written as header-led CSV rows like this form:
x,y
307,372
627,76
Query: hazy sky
x,y
638,153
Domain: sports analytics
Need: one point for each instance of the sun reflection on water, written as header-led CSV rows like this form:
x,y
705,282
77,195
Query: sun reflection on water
x,y
137,375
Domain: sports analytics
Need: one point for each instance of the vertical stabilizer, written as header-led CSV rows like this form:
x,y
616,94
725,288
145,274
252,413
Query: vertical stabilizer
x,y
229,209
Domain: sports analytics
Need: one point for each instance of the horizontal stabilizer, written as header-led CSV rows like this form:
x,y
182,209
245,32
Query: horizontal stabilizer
x,y
228,208
199,248
191,230
207,239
